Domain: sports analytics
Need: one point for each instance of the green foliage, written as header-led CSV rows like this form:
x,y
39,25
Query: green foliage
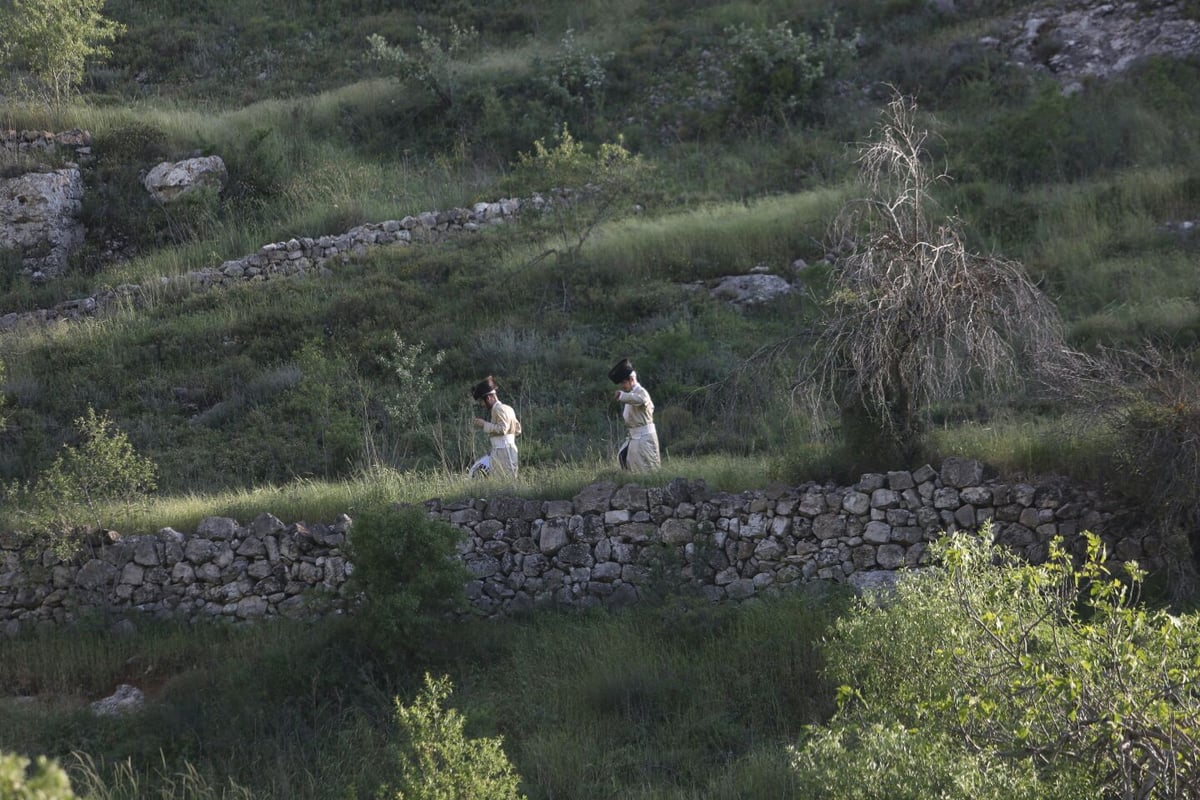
x,y
325,396
882,761
1154,421
53,40
21,779
406,570
412,375
438,761
1054,666
591,187
778,71
70,497
576,77
434,65
3,398
1051,138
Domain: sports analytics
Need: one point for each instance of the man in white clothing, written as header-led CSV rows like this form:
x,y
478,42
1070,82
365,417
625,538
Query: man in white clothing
x,y
502,427
640,451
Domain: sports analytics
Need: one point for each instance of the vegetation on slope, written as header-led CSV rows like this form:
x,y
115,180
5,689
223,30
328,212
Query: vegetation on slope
x,y
746,117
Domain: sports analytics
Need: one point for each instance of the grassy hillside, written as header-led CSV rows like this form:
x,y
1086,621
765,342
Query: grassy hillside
x,y
746,166
312,396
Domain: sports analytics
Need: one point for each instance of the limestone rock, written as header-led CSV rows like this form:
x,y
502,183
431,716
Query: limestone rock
x,y
169,181
39,218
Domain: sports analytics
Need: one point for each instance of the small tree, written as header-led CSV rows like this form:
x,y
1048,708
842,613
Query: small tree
x,y
576,77
777,71
915,318
1054,667
406,574
324,395
439,762
433,64
70,497
588,188
53,40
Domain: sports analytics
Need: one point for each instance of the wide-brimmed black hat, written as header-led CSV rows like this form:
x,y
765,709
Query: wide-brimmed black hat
x,y
484,388
620,371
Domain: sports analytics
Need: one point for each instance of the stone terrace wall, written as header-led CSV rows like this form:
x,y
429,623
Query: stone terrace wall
x,y
302,256
609,545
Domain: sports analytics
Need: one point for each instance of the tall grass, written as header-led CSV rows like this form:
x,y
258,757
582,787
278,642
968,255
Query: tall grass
x,y
657,701
311,500
654,700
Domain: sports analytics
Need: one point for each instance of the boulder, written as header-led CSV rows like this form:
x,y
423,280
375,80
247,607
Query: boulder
x,y
747,291
169,181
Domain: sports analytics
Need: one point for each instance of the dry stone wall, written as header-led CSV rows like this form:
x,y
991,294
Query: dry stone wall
x,y
299,256
608,546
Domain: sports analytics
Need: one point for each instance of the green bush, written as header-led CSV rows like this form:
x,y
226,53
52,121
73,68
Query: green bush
x,y
778,71
1055,666
68,500
439,762
882,761
407,574
1053,137
21,779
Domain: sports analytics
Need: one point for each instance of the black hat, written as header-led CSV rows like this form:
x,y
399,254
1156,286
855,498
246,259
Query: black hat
x,y
484,388
620,371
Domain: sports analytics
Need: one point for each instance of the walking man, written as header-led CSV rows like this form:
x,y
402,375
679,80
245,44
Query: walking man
x,y
640,451
502,427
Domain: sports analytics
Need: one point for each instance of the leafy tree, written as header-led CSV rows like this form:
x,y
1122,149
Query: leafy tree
x,y
433,64
406,573
69,498
410,372
439,762
587,188
53,40
21,779
777,71
915,318
1055,666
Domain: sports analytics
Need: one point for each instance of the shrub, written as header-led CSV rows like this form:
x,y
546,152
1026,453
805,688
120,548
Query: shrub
x,y
1054,665
407,573
68,499
439,762
777,71
592,186
883,761
1154,417
21,779
433,64
914,317
576,77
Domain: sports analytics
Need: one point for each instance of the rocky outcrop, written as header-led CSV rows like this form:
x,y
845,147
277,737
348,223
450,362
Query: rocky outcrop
x,y
1078,41
756,289
39,219
41,195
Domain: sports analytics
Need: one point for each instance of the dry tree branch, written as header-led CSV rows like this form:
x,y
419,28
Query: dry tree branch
x,y
914,317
